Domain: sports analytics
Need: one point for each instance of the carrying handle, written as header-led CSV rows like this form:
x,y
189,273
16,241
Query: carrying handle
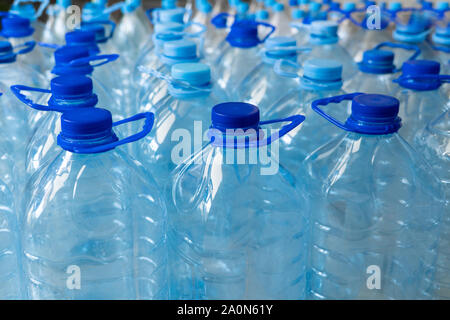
x,y
409,47
147,127
442,78
17,91
294,121
27,47
49,45
103,58
337,99
104,22
44,4
267,25
278,68
218,19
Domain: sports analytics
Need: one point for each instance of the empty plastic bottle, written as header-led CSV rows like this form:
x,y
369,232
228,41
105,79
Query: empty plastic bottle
x,y
421,96
265,83
184,108
377,70
240,55
10,275
323,40
97,229
369,190
237,231
321,78
19,32
215,37
433,142
26,10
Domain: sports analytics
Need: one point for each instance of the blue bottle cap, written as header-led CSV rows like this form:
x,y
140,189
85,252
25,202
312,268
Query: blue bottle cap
x,y
93,12
7,54
278,7
349,6
84,38
16,27
442,5
335,5
243,34
323,32
65,55
204,6
418,68
234,115
274,42
293,3
99,31
298,14
395,6
427,5
196,74
269,3
180,49
86,123
66,87
374,114
24,10
377,62
322,70
168,26
171,15
262,15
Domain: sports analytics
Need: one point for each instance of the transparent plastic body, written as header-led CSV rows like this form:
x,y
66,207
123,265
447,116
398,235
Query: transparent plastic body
x,y
94,222
235,233
375,214
233,65
433,141
371,83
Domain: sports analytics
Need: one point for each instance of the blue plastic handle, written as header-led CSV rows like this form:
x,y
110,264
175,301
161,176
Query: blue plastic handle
x,y
49,45
148,125
44,4
218,18
268,25
409,47
27,47
103,58
336,99
17,91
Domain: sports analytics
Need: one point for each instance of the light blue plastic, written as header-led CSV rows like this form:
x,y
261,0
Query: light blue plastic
x,y
114,230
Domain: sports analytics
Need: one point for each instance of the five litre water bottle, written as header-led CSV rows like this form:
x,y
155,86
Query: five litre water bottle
x,y
434,142
99,224
239,229
369,191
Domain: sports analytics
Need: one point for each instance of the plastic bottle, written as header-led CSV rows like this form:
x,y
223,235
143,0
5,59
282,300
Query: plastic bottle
x,y
321,78
441,41
377,70
238,232
369,190
98,230
433,142
324,42
239,57
187,102
264,85
27,11
215,36
421,96
56,26
280,19
10,271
